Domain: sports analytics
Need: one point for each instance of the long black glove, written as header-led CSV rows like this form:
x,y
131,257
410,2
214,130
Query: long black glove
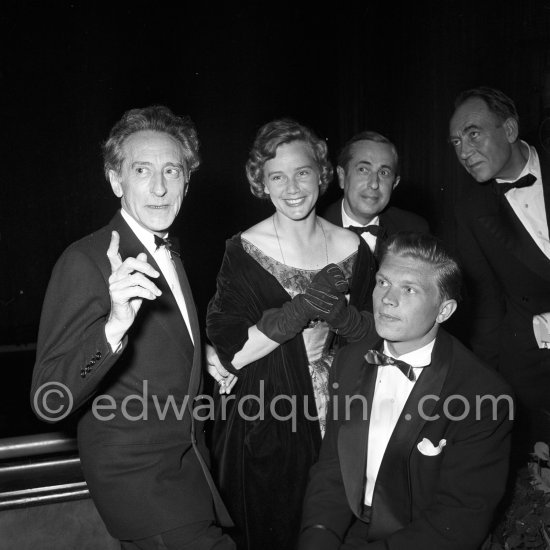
x,y
332,276
332,306
318,301
283,323
349,322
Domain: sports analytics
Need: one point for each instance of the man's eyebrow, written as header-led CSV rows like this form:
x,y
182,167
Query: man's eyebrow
x,y
464,131
470,127
402,282
146,163
368,163
411,282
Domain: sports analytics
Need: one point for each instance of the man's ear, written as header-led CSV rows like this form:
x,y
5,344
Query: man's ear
x,y
396,182
341,176
512,129
446,309
114,179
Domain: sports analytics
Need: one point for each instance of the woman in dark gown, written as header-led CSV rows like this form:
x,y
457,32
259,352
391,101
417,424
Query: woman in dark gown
x,y
272,322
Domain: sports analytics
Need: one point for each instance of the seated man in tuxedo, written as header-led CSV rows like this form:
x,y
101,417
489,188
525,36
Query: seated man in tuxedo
x,y
368,172
119,346
416,450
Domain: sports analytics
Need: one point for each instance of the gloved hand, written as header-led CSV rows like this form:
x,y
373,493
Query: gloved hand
x,y
333,307
320,299
349,322
283,323
333,277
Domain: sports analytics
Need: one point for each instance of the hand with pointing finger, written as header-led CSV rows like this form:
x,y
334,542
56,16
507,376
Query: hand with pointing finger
x,y
129,285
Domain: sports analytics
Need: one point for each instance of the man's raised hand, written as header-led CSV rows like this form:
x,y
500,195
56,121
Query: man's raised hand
x,y
129,285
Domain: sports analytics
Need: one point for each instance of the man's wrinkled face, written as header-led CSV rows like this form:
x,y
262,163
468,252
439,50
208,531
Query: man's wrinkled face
x,y
153,179
482,142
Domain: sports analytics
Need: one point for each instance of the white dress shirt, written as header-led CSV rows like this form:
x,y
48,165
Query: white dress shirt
x,y
390,395
528,202
163,258
370,239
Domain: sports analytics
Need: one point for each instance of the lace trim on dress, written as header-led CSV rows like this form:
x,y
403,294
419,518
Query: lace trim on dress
x,y
295,280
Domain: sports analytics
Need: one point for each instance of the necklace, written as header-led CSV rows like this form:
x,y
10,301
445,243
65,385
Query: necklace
x,y
281,248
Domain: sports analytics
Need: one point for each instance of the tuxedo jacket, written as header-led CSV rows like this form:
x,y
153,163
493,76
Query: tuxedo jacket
x,y
142,453
508,279
392,220
420,502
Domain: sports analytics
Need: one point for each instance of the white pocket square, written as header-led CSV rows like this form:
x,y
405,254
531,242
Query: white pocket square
x,y
541,328
427,448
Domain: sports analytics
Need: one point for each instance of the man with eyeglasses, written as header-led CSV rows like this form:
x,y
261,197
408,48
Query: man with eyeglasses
x,y
502,237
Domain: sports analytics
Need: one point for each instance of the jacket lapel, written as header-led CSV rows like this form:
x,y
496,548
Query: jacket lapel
x,y
391,504
163,309
365,264
502,223
544,161
196,376
353,438
382,236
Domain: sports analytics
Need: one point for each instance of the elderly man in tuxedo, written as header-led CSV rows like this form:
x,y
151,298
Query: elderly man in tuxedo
x,y
119,345
415,455
502,233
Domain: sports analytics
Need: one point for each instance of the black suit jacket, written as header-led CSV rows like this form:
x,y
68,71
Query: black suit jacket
x,y
143,454
392,220
443,502
508,278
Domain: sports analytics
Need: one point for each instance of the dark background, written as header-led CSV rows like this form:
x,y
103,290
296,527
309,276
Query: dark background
x,y
70,69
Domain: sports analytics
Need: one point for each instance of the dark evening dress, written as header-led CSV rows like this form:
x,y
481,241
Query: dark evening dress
x,y
267,433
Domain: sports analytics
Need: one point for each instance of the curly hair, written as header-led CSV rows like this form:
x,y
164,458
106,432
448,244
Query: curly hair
x,y
159,119
274,134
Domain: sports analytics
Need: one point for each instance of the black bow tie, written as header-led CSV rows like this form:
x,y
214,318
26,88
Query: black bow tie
x,y
171,244
378,358
372,229
502,188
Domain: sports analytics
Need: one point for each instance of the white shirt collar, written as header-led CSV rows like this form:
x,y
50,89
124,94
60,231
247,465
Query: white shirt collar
x,y
420,357
347,220
532,166
144,235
